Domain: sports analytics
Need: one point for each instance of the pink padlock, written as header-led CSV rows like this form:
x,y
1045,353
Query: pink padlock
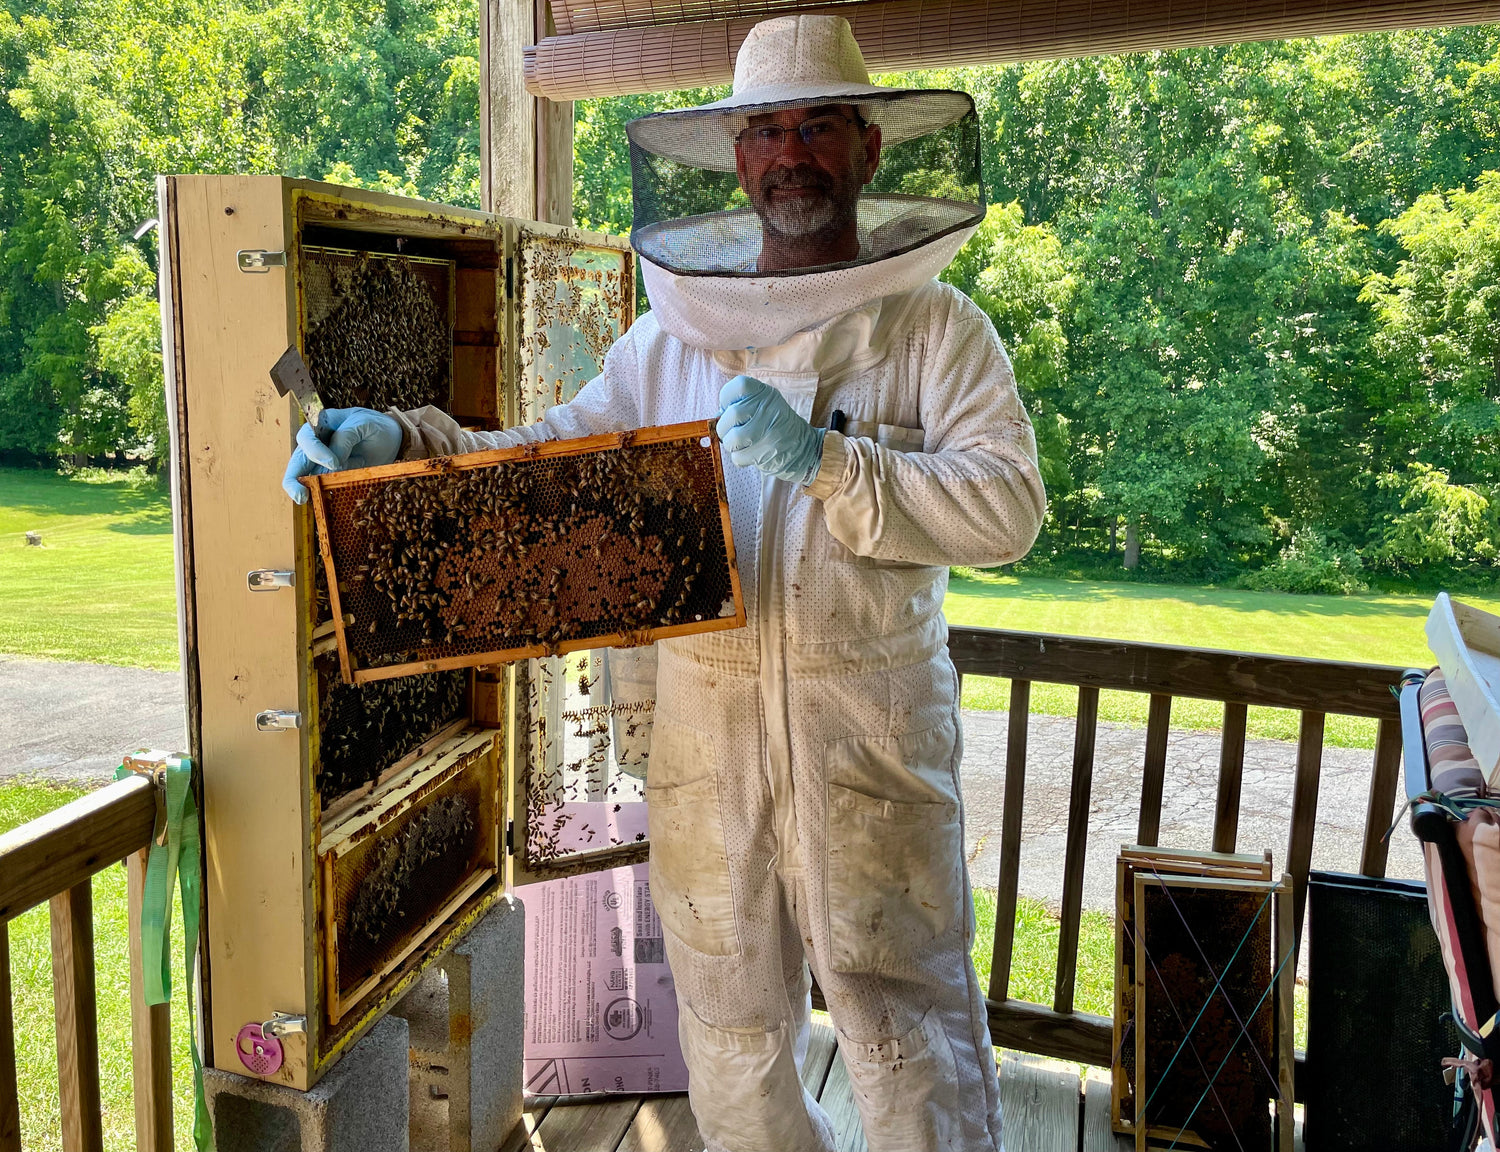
x,y
259,1051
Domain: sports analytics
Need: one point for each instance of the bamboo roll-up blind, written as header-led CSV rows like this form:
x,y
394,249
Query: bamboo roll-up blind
x,y
618,47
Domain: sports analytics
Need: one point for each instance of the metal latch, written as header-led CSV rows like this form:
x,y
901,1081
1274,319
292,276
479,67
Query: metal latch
x,y
274,720
152,764
269,579
259,260
284,1024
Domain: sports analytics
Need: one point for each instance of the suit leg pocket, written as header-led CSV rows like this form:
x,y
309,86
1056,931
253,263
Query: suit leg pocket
x,y
895,877
690,883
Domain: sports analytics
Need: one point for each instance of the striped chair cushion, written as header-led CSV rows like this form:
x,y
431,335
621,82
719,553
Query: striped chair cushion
x,y
1452,768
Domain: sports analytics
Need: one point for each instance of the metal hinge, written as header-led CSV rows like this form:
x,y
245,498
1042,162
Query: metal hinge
x,y
510,830
284,1024
274,720
270,579
259,260
510,277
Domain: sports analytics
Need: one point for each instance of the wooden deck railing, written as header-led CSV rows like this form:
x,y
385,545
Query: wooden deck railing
x,y
54,858
1315,688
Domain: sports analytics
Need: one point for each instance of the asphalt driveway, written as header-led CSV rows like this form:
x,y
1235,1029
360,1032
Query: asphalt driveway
x,y
70,723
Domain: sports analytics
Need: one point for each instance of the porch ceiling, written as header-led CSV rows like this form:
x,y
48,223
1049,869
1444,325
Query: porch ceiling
x,y
619,47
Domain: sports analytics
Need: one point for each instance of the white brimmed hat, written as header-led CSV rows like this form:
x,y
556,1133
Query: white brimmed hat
x,y
794,62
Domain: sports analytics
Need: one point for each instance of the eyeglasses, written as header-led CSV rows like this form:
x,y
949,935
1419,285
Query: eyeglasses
x,y
823,134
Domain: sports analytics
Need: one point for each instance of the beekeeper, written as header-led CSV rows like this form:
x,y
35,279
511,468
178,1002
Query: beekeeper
x,y
803,786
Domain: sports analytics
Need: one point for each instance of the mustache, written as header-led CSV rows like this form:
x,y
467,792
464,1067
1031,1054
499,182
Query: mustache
x,y
801,176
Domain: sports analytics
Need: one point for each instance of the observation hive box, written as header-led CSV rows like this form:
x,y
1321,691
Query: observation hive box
x,y
352,831
495,556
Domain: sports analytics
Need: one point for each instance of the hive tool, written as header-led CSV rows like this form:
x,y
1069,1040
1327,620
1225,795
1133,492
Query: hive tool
x,y
290,374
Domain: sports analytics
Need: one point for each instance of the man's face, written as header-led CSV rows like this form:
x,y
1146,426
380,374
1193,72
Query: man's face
x,y
803,168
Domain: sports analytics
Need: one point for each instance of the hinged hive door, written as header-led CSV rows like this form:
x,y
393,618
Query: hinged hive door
x,y
582,721
352,832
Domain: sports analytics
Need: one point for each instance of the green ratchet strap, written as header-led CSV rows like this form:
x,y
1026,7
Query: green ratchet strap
x,y
179,858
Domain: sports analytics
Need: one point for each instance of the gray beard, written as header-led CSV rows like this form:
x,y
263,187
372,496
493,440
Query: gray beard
x,y
801,219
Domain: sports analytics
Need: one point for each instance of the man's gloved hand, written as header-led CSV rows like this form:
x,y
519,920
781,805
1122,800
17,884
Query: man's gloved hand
x,y
359,438
759,428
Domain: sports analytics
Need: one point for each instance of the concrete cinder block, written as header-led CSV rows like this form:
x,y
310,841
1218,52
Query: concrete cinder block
x,y
359,1106
467,1033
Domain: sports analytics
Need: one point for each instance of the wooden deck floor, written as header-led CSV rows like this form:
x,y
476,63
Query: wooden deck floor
x,y
1046,1107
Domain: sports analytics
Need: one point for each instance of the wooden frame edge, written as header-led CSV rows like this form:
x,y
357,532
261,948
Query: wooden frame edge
x,y
539,449
1278,892
489,866
330,573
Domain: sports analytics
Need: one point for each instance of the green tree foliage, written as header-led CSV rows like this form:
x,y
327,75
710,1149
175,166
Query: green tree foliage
x,y
1437,316
1021,277
128,349
97,96
1436,521
1309,565
601,154
1272,306
1251,292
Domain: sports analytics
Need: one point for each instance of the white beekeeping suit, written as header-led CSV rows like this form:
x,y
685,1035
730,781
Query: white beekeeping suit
x,y
804,773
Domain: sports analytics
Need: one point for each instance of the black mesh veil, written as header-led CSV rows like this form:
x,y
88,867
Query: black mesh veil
x,y
693,218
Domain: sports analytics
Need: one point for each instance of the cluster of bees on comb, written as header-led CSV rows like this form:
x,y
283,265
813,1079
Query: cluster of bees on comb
x,y
386,342
365,728
443,831
531,552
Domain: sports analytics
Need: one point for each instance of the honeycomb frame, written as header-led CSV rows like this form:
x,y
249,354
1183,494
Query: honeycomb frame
x,y
699,489
466,762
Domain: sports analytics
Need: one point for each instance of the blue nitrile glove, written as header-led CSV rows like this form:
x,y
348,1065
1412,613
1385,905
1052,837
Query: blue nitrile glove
x,y
759,428
357,438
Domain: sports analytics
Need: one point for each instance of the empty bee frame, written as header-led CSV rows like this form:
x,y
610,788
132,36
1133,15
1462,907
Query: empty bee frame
x,y
495,556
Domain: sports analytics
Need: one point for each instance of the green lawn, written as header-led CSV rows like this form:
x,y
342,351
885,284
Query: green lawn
x,y
100,589
31,986
1374,629
1033,963
100,586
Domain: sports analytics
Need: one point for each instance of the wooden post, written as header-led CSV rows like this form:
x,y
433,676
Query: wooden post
x,y
1231,770
1304,814
507,124
527,143
10,1105
1010,839
1085,731
554,144
1382,802
1153,778
150,1032
77,1018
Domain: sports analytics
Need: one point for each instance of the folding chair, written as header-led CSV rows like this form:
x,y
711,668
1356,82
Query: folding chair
x,y
1446,789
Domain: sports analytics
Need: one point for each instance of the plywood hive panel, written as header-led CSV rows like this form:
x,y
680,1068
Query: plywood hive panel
x,y
496,556
390,790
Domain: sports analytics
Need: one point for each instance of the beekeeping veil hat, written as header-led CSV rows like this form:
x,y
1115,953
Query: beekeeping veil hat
x,y
701,239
